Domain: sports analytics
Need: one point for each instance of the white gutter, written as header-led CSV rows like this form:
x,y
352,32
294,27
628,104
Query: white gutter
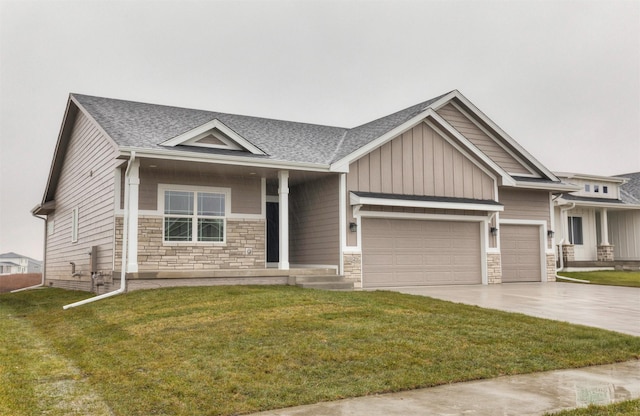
x,y
44,261
125,233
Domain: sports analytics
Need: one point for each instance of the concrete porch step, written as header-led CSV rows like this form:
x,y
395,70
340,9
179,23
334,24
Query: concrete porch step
x,y
323,282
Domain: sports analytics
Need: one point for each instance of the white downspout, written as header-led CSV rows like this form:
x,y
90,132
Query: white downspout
x,y
562,218
125,228
44,260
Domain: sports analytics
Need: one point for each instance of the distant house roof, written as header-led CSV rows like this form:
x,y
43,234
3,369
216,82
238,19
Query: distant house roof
x,y
630,191
12,255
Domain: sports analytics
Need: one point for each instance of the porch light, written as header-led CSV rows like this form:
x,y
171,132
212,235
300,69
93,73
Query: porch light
x,y
493,231
550,233
353,227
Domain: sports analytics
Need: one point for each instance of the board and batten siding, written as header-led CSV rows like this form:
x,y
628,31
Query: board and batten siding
x,y
246,192
314,222
87,183
419,162
624,234
479,138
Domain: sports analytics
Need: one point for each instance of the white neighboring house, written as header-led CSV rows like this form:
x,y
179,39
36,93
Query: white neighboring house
x,y
13,263
598,225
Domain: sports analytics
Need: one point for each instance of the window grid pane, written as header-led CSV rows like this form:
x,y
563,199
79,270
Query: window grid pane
x,y
178,203
210,204
177,229
210,230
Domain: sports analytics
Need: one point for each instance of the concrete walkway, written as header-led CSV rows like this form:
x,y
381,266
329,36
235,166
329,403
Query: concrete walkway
x,y
532,394
609,307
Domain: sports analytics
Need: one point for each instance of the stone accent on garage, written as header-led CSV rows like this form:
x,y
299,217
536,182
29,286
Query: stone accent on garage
x,y
551,267
353,268
494,268
244,248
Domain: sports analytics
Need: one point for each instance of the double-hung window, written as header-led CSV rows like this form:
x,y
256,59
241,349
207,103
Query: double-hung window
x,y
194,216
575,230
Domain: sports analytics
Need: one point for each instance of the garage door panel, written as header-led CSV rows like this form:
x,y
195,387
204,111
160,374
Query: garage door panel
x,y
417,253
521,255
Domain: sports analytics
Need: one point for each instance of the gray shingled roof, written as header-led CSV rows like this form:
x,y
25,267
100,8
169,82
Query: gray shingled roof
x,y
630,191
140,125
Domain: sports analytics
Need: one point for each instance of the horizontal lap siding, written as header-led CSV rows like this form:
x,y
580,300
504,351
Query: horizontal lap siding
x,y
479,138
246,193
86,182
314,212
522,204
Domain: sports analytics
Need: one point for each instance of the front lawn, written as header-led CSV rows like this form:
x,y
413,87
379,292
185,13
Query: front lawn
x,y
626,408
233,350
611,278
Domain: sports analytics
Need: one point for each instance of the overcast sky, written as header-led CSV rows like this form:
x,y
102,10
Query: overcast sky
x,y
561,77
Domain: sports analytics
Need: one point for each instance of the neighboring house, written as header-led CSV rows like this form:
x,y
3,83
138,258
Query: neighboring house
x,y
13,263
600,221
433,194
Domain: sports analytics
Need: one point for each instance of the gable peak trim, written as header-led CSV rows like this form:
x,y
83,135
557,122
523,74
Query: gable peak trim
x,y
229,139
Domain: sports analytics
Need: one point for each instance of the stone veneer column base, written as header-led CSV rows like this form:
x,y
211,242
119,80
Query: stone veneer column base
x,y
494,268
353,268
605,253
551,267
568,253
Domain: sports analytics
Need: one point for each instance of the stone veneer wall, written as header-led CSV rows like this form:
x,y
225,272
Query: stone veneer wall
x,y
353,268
494,268
154,254
605,253
551,267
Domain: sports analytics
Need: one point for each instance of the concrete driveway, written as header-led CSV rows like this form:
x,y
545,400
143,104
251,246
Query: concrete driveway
x,y
609,307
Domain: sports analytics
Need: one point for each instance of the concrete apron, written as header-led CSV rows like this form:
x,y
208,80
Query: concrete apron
x,y
531,394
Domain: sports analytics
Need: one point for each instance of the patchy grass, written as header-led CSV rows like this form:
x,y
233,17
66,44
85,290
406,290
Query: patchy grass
x,y
611,278
233,350
627,408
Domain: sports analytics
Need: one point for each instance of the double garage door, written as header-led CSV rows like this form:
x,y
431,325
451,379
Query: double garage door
x,y
419,253
398,253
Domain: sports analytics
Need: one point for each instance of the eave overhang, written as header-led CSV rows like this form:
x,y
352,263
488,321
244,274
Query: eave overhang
x,y
555,187
44,209
414,201
615,204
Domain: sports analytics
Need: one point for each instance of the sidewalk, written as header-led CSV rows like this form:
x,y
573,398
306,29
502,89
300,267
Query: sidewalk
x,y
531,394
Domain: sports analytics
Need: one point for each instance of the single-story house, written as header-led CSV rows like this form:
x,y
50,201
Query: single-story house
x,y
600,221
436,193
14,263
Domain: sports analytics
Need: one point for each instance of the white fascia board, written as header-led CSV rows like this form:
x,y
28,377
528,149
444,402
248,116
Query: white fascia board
x,y
503,134
507,180
612,179
359,200
178,155
213,124
590,204
560,187
342,165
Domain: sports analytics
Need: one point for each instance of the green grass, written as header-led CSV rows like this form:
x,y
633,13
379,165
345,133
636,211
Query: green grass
x,y
627,408
611,278
234,350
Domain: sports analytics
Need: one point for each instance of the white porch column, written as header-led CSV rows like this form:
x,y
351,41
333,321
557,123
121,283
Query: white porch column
x,y
132,230
283,200
604,228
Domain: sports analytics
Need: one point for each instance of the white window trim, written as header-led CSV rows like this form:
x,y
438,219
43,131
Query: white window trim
x,y
75,222
186,188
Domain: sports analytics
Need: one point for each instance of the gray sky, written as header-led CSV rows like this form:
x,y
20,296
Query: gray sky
x,y
562,77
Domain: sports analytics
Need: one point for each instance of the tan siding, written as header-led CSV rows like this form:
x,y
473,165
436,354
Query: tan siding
x,y
86,182
314,237
419,162
479,138
245,192
523,204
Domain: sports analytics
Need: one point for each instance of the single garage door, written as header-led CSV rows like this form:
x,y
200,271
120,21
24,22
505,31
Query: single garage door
x,y
520,246
419,253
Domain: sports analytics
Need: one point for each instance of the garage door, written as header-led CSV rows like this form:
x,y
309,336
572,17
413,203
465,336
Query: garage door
x,y
520,246
419,253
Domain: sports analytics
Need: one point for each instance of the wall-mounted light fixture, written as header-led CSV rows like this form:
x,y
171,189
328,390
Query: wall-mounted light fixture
x,y
550,233
353,227
493,231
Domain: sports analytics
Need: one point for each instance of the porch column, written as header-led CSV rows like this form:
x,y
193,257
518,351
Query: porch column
x,y
134,184
283,200
604,227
